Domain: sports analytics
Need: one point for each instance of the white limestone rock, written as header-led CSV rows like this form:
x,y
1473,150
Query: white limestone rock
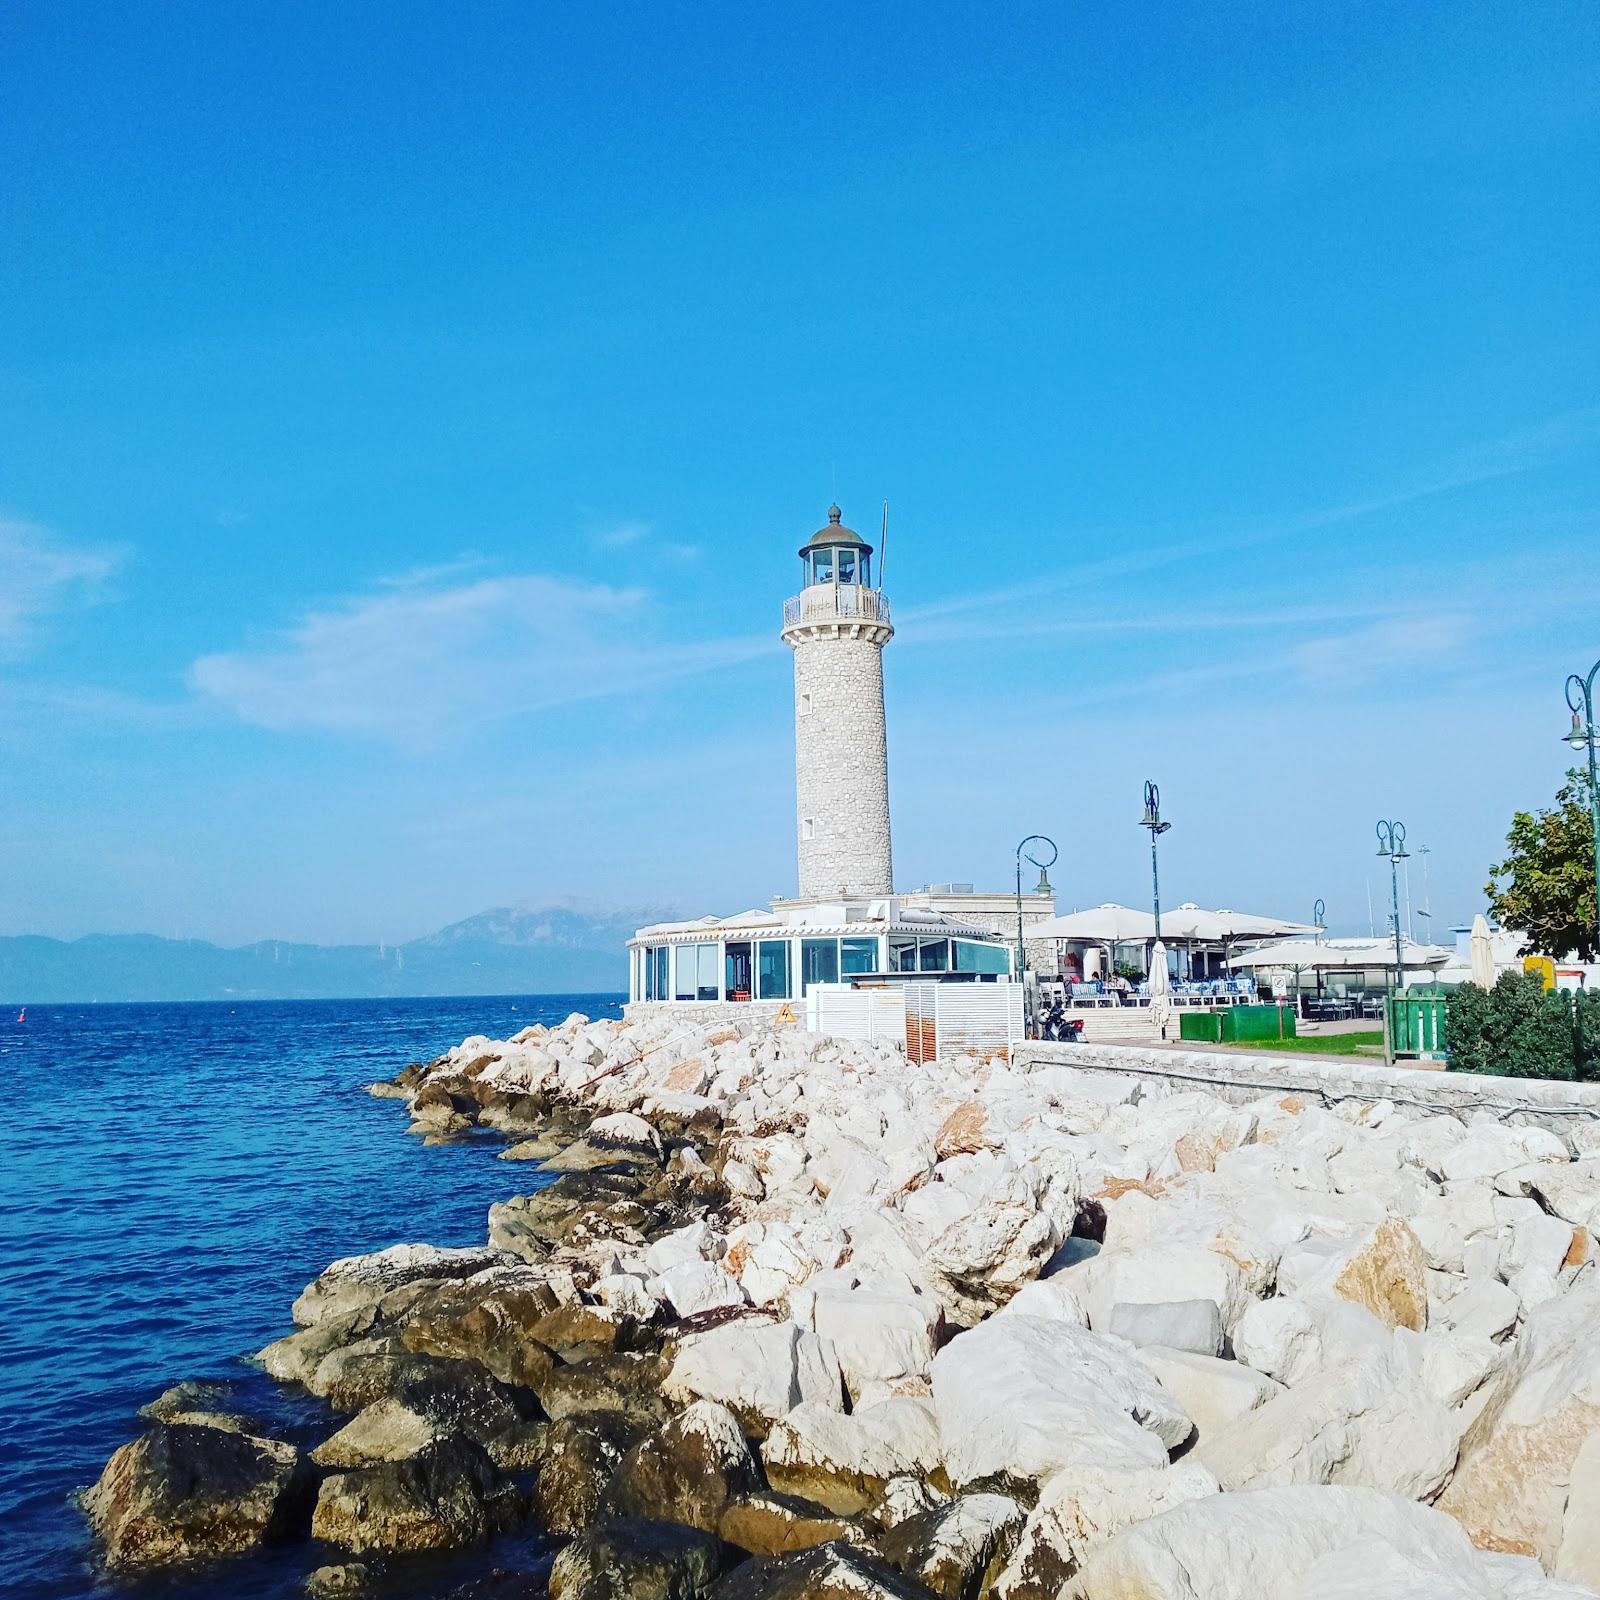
x,y
1193,1325
845,1462
1294,1337
1369,1424
758,1370
1263,1544
1080,1509
626,1132
1050,1298
879,1334
1213,1392
1023,1397
1157,1274
695,1286
1518,1457
1578,1557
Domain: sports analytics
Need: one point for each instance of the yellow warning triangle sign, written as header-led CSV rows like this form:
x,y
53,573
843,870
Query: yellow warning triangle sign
x,y
785,1013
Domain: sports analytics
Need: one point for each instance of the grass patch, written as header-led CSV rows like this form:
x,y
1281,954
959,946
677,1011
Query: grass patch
x,y
1321,1044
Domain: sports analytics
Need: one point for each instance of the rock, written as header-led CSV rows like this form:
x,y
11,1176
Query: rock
x,y
1212,1391
1384,1274
1262,1544
1369,1424
335,1583
181,1492
1518,1456
1049,1298
447,1497
834,1571
878,1335
636,1561
199,1404
539,1148
1082,1508
357,1281
768,1523
759,1370
432,1404
1159,1275
905,1496
1193,1325
998,1244
628,1383
1294,1337
576,1461
953,1548
688,1471
576,1332
691,1287
846,1462
1019,1398
623,1131
494,1328
1484,1308
1456,1365
1578,1557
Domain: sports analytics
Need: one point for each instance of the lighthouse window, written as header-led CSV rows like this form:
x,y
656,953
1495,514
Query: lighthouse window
x,y
697,972
822,566
847,566
819,962
772,969
808,828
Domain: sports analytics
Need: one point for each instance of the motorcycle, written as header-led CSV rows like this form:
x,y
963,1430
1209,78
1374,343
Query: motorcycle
x,y
1058,1027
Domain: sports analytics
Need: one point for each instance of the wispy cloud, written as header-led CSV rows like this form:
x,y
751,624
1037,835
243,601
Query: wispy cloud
x,y
413,663
42,575
619,535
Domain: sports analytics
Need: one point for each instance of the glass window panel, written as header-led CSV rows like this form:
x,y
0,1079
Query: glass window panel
x,y
864,570
858,955
706,976
738,974
819,962
933,955
902,955
974,957
772,969
847,566
822,566
685,973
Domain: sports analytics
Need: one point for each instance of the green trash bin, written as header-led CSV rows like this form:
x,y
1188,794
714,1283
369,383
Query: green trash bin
x,y
1200,1027
1253,1024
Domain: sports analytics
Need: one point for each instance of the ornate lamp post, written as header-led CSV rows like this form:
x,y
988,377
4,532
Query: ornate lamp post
x,y
1152,821
1580,701
1042,887
1392,843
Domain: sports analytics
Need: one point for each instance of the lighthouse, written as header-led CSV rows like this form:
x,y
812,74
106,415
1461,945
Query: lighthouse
x,y
837,627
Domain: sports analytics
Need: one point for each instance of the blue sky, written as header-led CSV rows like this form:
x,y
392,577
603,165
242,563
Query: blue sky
x,y
409,415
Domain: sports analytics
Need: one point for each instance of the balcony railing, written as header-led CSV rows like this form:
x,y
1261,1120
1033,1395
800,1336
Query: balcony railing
x,y
836,602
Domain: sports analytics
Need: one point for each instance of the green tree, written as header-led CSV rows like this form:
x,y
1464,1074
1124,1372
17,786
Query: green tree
x,y
1544,889
1515,1030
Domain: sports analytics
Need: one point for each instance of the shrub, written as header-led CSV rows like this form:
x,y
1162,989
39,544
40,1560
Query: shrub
x,y
1517,1029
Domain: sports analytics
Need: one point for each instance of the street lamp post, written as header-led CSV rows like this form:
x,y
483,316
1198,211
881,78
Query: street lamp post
x,y
1392,843
1152,821
1042,887
1580,701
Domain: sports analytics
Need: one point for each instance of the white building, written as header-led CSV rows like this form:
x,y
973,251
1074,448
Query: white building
x,y
846,922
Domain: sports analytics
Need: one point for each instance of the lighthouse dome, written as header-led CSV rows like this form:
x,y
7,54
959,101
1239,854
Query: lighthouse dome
x,y
835,534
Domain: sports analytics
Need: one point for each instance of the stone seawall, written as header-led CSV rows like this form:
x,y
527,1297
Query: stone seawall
x,y
1240,1079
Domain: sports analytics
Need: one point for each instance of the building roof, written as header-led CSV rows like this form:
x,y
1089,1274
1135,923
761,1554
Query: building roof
x,y
799,924
835,534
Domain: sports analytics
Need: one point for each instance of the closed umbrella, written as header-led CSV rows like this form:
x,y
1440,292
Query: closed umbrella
x,y
1482,953
1160,978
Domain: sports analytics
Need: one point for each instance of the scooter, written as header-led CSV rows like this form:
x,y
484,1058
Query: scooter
x,y
1059,1027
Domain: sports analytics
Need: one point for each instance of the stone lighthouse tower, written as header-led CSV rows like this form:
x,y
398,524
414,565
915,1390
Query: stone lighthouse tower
x,y
837,627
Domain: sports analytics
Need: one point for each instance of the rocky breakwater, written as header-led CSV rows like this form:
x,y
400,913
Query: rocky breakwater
x,y
798,1318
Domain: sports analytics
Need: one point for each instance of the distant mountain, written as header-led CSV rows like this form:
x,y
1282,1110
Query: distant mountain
x,y
555,949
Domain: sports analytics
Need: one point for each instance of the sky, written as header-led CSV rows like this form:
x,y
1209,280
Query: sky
x,y
410,414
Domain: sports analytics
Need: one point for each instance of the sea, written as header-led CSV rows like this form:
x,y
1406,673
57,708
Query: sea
x,y
171,1176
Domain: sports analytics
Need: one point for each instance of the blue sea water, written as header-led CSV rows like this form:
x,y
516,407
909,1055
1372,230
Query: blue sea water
x,y
170,1177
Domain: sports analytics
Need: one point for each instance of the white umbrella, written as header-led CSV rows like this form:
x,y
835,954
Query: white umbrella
x,y
1482,953
1343,955
1160,978
1107,924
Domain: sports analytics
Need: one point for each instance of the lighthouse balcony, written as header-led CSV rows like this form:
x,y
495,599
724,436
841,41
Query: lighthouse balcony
x,y
836,602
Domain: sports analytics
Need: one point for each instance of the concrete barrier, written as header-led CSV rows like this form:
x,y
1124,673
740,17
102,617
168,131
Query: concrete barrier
x,y
1237,1078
